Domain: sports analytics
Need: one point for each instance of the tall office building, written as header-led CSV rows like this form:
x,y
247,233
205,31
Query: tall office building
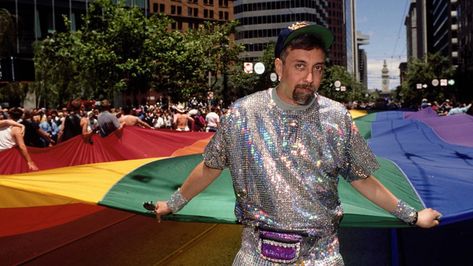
x,y
351,50
417,29
261,22
337,24
444,23
465,36
432,27
411,32
362,39
190,14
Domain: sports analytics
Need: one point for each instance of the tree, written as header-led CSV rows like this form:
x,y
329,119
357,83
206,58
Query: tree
x,y
246,83
423,71
7,33
354,89
120,50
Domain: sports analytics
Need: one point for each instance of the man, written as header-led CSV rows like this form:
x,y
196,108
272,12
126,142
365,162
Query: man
x,y
75,123
131,120
108,122
181,119
11,135
285,148
459,110
34,135
213,120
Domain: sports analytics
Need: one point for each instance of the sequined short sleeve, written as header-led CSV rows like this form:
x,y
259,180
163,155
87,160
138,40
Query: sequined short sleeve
x,y
360,161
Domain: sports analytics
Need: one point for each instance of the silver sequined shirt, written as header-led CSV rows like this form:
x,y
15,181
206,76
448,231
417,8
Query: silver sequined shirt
x,y
285,161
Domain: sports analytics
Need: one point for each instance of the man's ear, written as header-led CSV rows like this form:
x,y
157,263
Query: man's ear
x,y
278,66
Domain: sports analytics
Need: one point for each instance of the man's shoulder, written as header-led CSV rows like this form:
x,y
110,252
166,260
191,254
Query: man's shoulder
x,y
14,130
253,99
330,105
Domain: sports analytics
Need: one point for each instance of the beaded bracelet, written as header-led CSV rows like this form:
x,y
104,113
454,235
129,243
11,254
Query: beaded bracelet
x,y
177,201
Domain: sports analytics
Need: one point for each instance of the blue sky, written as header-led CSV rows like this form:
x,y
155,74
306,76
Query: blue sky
x,y
383,22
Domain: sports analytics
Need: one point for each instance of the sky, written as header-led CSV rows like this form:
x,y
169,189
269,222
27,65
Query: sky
x,y
383,22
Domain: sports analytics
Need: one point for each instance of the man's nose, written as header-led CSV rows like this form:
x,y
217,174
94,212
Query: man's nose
x,y
309,78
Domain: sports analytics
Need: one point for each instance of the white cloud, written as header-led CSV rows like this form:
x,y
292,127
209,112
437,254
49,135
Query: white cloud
x,y
374,72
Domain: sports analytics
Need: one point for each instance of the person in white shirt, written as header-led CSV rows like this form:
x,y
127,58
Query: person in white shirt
x,y
11,135
213,120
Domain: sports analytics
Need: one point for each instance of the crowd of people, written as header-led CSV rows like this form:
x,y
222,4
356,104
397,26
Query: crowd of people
x,y
43,127
447,107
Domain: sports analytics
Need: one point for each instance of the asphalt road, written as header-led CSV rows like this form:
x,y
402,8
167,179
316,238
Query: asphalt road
x,y
140,240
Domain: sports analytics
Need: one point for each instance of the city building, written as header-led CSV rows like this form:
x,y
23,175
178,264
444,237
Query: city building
x,y
444,25
465,37
189,14
432,27
402,71
417,29
352,53
362,39
411,31
338,26
261,22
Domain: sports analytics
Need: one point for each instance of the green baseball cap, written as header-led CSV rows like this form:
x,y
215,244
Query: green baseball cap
x,y
299,28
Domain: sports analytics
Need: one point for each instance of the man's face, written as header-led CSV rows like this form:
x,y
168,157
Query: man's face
x,y
300,75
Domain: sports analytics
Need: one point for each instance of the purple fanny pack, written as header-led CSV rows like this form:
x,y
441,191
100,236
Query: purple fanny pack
x,y
280,247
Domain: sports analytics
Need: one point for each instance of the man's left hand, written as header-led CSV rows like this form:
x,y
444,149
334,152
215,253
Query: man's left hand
x,y
428,218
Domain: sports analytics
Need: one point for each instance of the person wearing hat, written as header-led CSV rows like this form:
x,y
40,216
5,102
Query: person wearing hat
x,y
285,148
181,119
424,104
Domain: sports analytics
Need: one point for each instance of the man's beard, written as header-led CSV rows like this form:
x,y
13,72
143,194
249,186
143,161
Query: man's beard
x,y
303,94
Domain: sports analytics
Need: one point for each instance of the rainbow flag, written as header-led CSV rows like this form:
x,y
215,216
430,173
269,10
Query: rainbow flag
x,y
425,160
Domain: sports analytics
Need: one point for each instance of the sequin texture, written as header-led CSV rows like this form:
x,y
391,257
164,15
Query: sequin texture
x,y
177,201
404,212
285,162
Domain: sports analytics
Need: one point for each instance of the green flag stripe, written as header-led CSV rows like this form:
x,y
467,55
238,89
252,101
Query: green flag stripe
x,y
159,179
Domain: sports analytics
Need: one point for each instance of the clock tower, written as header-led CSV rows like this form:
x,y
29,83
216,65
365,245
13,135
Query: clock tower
x,y
385,78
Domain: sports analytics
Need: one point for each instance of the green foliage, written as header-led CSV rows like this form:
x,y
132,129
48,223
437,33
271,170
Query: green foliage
x,y
354,89
424,71
243,83
13,92
7,32
119,49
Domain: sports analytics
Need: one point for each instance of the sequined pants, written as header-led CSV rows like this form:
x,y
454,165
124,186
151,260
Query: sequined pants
x,y
322,252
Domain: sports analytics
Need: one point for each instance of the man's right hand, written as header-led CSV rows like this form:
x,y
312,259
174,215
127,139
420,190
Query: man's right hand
x,y
32,166
161,209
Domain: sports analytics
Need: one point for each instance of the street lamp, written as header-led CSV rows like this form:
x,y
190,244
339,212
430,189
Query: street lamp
x,y
12,69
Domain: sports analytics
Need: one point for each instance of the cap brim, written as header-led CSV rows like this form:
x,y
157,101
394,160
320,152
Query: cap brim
x,y
323,33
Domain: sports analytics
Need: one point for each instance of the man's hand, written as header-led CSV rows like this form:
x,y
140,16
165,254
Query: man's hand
x,y
32,166
428,218
161,209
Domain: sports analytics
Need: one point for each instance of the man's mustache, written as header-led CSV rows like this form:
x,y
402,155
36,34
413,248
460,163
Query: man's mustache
x,y
305,86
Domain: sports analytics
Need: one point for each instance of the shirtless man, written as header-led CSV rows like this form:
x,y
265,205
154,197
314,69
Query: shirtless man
x,y
181,120
131,120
